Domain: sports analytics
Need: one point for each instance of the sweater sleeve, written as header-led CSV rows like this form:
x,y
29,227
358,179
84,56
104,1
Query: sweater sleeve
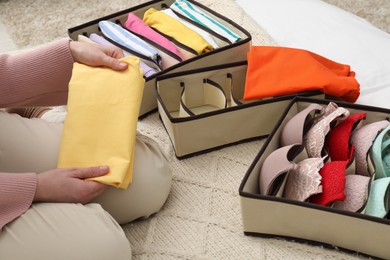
x,y
38,77
16,195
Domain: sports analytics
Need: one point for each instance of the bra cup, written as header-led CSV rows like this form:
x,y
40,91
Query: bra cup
x,y
294,130
333,183
362,139
356,191
315,137
378,200
337,142
304,179
330,108
379,153
277,164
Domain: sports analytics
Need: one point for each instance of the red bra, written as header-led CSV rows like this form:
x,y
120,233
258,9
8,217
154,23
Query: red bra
x,y
337,141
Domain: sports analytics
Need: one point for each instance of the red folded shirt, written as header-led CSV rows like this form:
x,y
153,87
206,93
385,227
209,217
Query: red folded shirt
x,y
276,71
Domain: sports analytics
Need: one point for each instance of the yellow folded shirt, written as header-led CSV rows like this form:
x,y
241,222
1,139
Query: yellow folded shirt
x,y
100,127
175,29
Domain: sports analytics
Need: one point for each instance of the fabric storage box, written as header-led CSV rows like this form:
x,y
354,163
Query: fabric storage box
x,y
226,53
203,110
277,216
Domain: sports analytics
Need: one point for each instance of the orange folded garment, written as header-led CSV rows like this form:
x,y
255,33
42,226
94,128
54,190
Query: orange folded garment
x,y
276,71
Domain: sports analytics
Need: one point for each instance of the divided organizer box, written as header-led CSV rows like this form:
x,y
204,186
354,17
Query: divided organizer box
x,y
277,216
227,52
203,109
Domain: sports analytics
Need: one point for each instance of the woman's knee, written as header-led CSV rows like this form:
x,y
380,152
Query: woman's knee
x,y
155,177
150,187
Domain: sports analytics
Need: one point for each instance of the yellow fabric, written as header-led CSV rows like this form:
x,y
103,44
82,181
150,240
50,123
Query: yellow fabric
x,y
100,127
175,29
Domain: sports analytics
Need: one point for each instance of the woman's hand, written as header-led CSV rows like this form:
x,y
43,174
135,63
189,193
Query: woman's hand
x,y
97,55
70,185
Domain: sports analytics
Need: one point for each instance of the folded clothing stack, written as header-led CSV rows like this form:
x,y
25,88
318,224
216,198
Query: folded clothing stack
x,y
163,38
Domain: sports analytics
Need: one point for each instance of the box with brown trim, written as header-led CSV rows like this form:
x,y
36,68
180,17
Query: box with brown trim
x,y
227,52
277,216
203,109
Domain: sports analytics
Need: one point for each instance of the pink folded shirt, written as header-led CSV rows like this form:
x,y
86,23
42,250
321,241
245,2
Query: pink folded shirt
x,y
136,25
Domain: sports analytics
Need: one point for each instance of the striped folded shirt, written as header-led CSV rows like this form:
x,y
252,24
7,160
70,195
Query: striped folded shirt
x,y
185,8
129,41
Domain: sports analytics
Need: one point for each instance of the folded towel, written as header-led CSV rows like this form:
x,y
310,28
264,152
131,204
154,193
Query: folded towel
x,y
100,127
169,26
276,71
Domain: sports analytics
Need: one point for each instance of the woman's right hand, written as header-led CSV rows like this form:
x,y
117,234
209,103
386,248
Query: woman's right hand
x,y
70,185
97,55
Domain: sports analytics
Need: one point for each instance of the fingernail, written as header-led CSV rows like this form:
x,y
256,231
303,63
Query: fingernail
x,y
104,168
122,64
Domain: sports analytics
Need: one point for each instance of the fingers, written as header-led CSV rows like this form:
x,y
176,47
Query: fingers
x,y
90,190
110,57
97,55
70,185
90,172
111,51
113,63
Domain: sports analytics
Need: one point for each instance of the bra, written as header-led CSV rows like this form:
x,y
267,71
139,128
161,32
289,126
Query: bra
x,y
315,138
362,139
295,128
275,167
356,191
337,141
378,200
380,154
333,183
309,178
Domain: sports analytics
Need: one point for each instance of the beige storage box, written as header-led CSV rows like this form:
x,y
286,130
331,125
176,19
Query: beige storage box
x,y
277,216
227,53
203,110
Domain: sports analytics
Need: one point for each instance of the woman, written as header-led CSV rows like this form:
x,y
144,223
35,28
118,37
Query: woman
x,y
50,213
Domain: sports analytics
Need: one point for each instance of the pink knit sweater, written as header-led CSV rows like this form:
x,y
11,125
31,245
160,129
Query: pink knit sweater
x,y
36,78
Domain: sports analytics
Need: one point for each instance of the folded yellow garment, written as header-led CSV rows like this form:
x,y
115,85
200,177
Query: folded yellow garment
x,y
175,29
100,127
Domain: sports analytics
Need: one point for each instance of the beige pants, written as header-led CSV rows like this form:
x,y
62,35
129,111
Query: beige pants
x,y
74,231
